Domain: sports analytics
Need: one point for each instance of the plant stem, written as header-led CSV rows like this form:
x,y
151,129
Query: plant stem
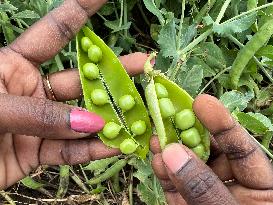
x,y
143,14
7,197
214,78
202,37
234,40
125,17
205,9
263,147
248,12
121,12
130,189
222,11
181,25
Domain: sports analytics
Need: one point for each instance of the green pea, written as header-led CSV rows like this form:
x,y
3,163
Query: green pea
x,y
190,137
199,150
185,119
91,71
128,146
111,130
166,107
126,102
86,43
161,91
138,127
99,97
94,53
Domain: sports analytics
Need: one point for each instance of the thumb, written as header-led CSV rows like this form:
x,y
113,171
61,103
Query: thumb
x,y
45,118
194,180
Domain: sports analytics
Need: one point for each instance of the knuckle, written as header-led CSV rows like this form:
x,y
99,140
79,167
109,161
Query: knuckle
x,y
64,29
49,115
201,184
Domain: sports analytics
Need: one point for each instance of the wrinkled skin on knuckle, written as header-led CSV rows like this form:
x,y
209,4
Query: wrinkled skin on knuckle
x,y
201,186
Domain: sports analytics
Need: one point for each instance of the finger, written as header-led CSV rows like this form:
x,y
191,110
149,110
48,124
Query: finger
x,y
249,164
66,84
155,145
195,181
47,37
159,167
221,167
72,152
45,118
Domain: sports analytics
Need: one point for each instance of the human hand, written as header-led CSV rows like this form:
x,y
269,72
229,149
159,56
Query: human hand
x,y
26,108
186,180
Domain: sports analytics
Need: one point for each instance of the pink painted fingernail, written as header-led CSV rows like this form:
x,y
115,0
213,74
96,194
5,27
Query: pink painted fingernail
x,y
175,157
86,122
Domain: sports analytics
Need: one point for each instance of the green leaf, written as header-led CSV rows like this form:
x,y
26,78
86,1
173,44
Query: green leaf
x,y
167,39
255,122
207,71
151,6
144,170
266,51
235,99
188,33
211,54
236,26
100,165
107,9
191,80
114,25
4,7
31,183
26,14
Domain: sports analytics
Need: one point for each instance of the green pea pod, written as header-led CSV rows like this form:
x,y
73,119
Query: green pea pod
x,y
249,50
115,168
181,100
115,81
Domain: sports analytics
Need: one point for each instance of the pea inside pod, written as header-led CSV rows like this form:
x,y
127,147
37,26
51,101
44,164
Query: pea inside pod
x,y
113,96
181,124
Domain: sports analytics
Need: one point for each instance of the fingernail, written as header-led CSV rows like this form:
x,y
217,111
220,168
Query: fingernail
x,y
175,157
86,122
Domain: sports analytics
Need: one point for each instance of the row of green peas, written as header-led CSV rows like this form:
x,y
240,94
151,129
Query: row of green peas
x,y
183,120
100,97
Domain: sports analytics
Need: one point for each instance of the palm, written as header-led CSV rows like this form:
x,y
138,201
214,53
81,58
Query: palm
x,y
19,153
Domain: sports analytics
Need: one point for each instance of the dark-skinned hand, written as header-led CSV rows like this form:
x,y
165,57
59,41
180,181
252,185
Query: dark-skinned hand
x,y
34,129
186,180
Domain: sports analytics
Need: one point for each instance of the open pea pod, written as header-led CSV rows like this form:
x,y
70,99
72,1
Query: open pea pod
x,y
116,83
181,102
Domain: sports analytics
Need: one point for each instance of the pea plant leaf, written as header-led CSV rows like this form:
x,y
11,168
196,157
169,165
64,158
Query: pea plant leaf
x,y
207,70
211,54
7,7
114,25
151,6
100,165
26,14
188,33
235,99
167,39
191,80
255,122
149,190
237,26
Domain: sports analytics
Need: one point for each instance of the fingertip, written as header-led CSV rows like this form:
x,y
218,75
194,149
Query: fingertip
x,y
134,62
155,145
175,157
212,114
